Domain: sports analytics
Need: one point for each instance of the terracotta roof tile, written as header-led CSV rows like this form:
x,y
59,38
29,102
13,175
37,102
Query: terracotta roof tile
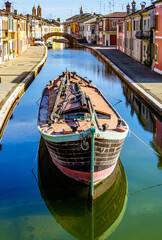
x,y
116,14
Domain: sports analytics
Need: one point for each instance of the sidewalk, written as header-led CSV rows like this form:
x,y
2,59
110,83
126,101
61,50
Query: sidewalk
x,y
143,77
16,75
14,71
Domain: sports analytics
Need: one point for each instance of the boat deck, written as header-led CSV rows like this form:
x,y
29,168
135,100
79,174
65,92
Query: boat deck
x,y
105,113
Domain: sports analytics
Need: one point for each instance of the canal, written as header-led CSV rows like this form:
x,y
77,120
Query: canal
x,y
46,205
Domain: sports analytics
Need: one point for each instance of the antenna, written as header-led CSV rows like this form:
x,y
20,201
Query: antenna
x,y
24,11
113,5
110,7
100,3
13,3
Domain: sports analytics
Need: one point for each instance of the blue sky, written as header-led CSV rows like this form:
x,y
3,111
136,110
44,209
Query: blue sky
x,y
67,8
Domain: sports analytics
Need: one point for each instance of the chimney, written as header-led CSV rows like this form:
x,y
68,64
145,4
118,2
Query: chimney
x,y
128,9
39,11
15,12
34,11
143,4
133,6
8,6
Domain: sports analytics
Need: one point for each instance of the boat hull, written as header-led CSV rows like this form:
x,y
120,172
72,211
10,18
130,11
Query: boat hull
x,y
75,161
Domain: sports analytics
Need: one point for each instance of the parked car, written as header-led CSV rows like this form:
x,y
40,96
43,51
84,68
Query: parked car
x,y
38,41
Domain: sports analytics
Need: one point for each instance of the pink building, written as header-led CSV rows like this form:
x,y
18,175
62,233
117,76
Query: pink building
x,y
158,36
120,36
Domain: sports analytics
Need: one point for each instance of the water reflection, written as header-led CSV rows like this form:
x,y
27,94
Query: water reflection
x,y
148,120
67,200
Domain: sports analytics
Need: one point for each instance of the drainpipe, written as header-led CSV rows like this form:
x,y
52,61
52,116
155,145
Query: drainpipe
x,y
108,30
131,39
141,28
153,46
125,37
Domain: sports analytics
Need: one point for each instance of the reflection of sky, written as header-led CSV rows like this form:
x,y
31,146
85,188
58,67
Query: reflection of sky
x,y
18,188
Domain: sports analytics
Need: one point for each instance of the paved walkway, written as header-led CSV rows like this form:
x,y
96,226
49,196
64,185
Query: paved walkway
x,y
149,80
14,71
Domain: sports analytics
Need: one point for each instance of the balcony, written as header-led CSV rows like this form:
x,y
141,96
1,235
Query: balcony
x,y
143,35
5,35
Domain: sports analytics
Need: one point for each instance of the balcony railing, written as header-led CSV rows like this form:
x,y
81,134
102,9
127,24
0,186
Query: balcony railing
x,y
143,35
5,34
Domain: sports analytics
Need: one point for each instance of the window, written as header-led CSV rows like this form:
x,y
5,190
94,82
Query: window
x,y
156,53
120,28
114,24
129,43
134,25
132,44
148,22
144,25
137,25
143,110
128,26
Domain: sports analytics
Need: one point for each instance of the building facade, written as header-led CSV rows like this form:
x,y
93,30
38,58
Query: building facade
x,y
158,37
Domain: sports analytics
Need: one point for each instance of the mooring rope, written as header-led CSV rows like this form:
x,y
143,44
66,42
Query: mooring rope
x,y
144,142
37,102
144,189
36,154
112,97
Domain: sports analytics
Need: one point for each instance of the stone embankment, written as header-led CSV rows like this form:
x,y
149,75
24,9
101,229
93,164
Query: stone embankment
x,y
15,77
146,84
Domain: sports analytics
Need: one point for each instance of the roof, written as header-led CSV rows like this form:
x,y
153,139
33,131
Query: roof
x,y
78,17
89,17
72,18
157,1
141,11
116,15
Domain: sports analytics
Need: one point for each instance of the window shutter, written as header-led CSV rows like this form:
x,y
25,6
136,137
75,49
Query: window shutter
x,y
156,22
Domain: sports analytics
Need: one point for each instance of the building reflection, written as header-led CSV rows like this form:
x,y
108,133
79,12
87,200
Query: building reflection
x,y
148,120
67,200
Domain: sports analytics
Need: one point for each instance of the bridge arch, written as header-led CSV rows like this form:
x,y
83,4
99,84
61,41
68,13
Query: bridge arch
x,y
72,41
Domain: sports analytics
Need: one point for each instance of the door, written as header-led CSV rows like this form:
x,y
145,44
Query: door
x,y
112,40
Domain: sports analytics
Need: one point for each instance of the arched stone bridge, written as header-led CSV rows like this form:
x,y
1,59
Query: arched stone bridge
x,y
72,41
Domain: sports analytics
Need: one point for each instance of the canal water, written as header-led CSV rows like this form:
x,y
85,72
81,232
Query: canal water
x,y
46,205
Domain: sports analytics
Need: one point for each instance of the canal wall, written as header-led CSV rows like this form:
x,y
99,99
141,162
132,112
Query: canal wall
x,y
150,101
19,89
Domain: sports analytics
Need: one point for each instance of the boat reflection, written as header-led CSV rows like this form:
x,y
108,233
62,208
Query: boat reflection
x,y
67,200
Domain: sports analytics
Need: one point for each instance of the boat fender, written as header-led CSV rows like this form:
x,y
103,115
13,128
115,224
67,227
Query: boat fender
x,y
74,74
84,144
74,128
105,127
119,123
90,83
49,123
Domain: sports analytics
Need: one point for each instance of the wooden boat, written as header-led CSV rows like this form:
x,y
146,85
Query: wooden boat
x,y
49,45
83,132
